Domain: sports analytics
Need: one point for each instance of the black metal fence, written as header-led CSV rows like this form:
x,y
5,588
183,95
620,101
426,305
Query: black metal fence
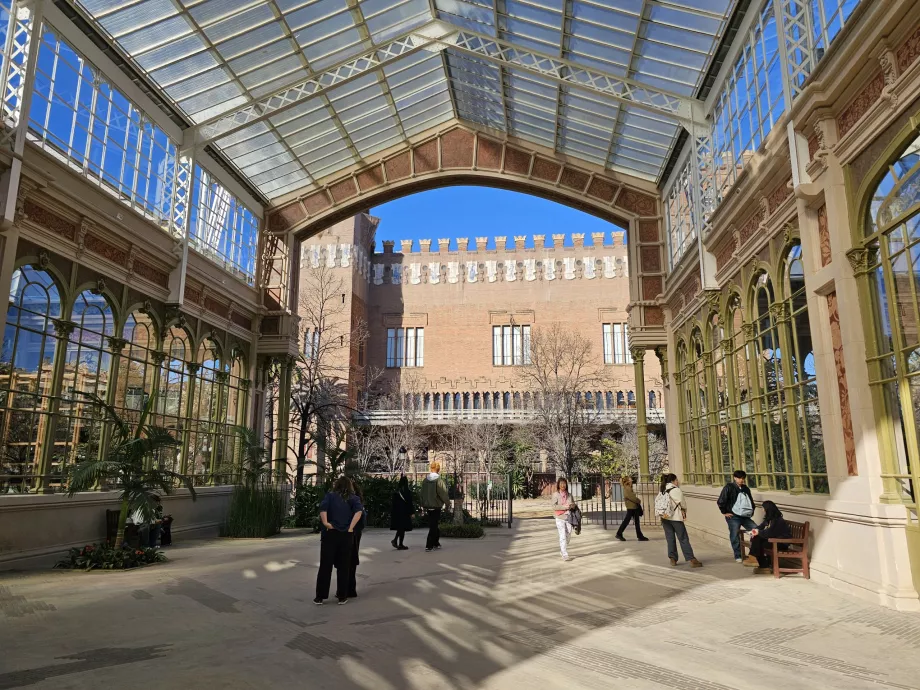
x,y
485,496
601,501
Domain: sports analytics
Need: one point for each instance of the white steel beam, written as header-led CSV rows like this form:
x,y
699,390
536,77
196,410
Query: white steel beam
x,y
435,36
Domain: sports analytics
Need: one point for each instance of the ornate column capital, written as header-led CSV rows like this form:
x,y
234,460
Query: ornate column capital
x,y
779,312
192,367
116,344
157,357
661,352
859,260
222,376
638,354
63,328
748,330
245,384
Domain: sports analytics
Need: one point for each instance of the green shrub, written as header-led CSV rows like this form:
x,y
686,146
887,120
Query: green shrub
x,y
471,531
104,557
255,512
305,508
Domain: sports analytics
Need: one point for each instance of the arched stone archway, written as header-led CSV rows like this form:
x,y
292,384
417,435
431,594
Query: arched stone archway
x,y
458,155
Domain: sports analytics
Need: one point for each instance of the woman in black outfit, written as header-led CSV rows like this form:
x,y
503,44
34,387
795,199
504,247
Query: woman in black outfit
x,y
359,528
401,513
772,527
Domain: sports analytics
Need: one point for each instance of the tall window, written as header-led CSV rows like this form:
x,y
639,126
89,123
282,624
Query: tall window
x,y
405,347
893,280
510,345
311,338
27,359
616,344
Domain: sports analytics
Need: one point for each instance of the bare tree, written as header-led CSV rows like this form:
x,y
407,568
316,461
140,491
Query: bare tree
x,y
485,441
657,451
402,433
330,338
454,454
561,369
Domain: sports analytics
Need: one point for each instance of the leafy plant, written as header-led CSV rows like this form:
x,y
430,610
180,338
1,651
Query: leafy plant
x,y
132,464
256,511
306,506
472,531
256,463
107,557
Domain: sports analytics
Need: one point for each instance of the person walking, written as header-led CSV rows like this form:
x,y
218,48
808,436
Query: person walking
x,y
563,502
434,498
339,512
633,509
670,507
356,543
737,507
774,526
401,513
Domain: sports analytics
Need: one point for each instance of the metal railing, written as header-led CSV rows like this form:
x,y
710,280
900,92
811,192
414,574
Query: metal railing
x,y
511,416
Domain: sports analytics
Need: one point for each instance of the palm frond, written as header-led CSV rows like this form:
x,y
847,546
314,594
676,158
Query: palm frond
x,y
85,476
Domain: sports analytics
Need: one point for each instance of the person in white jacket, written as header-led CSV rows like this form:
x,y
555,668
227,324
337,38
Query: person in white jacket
x,y
673,521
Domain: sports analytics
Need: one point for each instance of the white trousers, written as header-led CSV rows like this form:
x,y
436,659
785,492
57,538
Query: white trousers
x,y
565,533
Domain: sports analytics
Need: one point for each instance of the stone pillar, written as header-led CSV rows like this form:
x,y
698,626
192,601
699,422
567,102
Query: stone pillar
x,y
638,355
283,423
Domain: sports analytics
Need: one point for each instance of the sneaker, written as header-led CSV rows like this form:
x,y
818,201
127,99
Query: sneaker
x,y
402,548
318,601
343,601
695,563
673,561
763,571
566,558
395,545
643,538
437,547
738,560
621,537
427,550
750,562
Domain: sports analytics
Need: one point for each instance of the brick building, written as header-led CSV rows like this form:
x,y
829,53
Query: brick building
x,y
456,316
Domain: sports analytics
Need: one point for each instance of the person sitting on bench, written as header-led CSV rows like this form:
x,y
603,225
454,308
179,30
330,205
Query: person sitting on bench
x,y
772,527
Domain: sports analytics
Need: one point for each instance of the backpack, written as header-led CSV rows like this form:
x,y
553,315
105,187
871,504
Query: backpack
x,y
663,504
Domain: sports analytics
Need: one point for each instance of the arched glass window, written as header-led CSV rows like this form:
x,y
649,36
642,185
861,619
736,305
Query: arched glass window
x,y
631,399
718,420
652,401
684,373
621,399
206,413
136,369
27,358
233,409
173,387
893,279
609,400
87,366
742,410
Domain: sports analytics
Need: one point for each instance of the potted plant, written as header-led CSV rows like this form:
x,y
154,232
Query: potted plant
x,y
130,464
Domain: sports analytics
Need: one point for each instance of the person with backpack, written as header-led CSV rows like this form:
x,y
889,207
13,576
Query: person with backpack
x,y
356,544
434,498
563,505
737,507
401,513
670,507
339,512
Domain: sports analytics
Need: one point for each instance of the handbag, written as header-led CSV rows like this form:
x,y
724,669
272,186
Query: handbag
x,y
640,511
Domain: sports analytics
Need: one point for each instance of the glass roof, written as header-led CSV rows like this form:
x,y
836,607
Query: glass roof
x,y
214,57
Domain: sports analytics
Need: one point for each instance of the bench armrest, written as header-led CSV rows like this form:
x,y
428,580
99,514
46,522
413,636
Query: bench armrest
x,y
786,541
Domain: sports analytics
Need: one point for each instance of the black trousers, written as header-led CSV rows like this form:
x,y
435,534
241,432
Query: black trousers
x,y
335,550
631,514
400,536
759,551
355,562
434,531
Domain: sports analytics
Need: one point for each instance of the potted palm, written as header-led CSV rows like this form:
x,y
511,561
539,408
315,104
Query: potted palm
x,y
131,464
256,506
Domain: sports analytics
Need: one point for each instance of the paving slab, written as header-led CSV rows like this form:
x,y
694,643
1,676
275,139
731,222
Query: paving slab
x,y
499,613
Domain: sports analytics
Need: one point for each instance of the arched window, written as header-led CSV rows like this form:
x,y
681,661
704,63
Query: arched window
x,y
233,409
87,366
172,395
743,411
684,373
718,421
27,358
621,399
136,369
206,412
652,401
609,400
893,276
630,399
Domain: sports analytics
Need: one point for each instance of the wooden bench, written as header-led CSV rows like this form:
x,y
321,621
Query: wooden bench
x,y
797,549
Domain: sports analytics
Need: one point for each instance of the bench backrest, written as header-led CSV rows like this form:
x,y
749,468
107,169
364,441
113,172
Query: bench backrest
x,y
799,530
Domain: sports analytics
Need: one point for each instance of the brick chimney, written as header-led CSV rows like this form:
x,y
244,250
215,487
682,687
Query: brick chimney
x,y
618,238
578,239
482,243
388,246
558,241
539,241
520,241
598,238
463,243
425,245
500,243
406,246
443,244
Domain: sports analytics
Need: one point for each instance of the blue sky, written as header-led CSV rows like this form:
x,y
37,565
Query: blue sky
x,y
480,211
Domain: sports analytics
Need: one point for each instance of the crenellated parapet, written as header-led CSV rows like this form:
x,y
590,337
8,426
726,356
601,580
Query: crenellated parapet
x,y
503,243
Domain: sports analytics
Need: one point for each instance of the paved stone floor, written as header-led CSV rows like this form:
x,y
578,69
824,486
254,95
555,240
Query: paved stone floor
x,y
499,613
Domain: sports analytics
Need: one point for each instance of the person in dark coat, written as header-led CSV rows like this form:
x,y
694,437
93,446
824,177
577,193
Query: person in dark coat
x,y
772,527
339,512
401,513
359,528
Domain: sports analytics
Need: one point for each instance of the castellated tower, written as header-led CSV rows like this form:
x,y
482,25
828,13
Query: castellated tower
x,y
455,316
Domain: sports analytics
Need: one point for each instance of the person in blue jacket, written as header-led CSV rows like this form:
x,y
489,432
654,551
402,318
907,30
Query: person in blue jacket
x,y
339,513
